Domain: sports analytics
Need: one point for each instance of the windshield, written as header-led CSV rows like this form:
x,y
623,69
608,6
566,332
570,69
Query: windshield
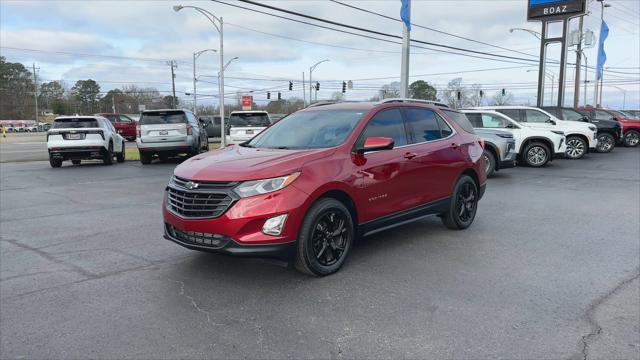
x,y
249,119
165,117
312,129
620,114
112,118
75,123
571,115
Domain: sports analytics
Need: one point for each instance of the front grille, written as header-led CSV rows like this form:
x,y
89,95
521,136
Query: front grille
x,y
213,241
207,200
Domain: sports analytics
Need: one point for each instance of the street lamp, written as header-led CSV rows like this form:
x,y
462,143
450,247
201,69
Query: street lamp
x,y
552,76
223,69
532,32
219,27
311,79
624,94
195,79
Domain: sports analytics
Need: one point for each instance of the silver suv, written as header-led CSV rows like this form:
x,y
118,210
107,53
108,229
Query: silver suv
x,y
165,133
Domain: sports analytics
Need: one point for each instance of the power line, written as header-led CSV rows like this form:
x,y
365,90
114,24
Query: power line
x,y
432,29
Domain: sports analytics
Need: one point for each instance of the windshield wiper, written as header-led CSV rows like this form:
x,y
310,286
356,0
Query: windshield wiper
x,y
246,145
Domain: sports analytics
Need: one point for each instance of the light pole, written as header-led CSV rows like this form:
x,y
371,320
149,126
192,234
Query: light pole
x,y
532,32
311,79
552,76
219,27
624,94
595,93
195,79
223,69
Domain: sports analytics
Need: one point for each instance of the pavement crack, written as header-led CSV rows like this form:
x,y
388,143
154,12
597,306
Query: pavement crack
x,y
195,304
596,329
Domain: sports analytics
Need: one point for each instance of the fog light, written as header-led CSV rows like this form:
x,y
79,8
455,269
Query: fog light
x,y
273,226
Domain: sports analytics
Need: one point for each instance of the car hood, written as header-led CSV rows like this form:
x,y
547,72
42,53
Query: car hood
x,y
237,163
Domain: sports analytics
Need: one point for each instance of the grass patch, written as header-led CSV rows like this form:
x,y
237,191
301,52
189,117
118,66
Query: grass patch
x,y
133,154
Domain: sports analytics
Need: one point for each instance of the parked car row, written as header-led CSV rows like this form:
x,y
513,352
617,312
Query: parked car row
x,y
306,187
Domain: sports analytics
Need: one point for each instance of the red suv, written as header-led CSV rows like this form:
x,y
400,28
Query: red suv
x,y
310,184
630,127
125,125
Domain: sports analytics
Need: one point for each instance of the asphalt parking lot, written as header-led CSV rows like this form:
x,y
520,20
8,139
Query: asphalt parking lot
x,y
549,269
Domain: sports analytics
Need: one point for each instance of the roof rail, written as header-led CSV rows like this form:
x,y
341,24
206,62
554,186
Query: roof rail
x,y
409,100
322,103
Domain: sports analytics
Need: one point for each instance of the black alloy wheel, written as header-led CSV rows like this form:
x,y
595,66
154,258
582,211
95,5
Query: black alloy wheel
x,y
631,138
326,236
464,204
108,157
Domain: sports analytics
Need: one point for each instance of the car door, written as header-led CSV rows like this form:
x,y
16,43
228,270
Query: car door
x,y
431,154
127,126
382,174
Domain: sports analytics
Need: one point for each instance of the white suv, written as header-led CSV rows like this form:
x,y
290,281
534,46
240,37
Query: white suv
x,y
535,147
581,137
78,138
244,125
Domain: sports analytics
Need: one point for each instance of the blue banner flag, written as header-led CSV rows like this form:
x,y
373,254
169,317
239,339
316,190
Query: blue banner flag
x,y
405,13
602,56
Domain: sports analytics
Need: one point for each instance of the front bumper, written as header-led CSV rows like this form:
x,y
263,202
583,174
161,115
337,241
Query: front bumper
x,y
508,161
238,230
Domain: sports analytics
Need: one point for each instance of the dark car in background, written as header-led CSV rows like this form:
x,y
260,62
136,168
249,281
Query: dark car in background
x,y
630,126
214,125
609,130
125,126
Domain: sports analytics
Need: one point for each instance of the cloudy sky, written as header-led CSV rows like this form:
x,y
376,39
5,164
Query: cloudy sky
x,y
130,42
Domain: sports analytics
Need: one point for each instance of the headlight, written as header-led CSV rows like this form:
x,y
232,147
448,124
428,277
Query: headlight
x,y
506,136
265,186
558,132
592,128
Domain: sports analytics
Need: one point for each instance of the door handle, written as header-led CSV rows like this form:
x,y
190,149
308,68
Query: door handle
x,y
455,145
410,155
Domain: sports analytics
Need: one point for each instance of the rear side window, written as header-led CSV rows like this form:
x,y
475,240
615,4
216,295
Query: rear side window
x,y
422,125
165,117
461,120
475,119
387,123
602,115
249,119
512,113
445,129
75,123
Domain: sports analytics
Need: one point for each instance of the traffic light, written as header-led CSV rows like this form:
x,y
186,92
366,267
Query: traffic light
x,y
268,95
290,85
344,87
481,93
317,86
279,96
504,92
459,96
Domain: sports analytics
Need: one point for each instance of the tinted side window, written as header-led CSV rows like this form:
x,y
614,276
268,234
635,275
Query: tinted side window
x,y
534,116
602,115
475,119
422,125
387,123
444,127
512,113
460,119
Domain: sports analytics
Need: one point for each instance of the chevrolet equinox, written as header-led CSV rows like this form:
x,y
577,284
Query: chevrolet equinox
x,y
309,185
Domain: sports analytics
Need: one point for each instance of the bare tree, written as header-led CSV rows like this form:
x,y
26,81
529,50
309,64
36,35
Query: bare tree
x,y
500,99
337,96
390,90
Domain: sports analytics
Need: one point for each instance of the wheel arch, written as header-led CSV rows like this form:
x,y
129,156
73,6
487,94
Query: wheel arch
x,y
344,198
493,149
546,141
581,136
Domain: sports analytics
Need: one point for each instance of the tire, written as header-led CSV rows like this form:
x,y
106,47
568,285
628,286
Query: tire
x,y
108,157
490,162
120,157
55,163
576,147
536,154
145,158
76,162
631,138
325,238
205,148
606,143
464,205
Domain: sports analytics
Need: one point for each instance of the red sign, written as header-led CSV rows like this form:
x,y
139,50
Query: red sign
x,y
246,102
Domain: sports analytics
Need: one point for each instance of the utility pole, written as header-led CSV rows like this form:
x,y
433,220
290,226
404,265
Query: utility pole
x,y
586,66
406,43
35,86
113,102
173,83
576,91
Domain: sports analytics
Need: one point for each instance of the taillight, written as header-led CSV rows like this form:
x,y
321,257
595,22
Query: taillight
x,y
138,132
481,143
189,130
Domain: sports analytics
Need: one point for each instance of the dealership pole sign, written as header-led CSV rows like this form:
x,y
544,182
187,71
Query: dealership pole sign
x,y
554,12
247,101
545,9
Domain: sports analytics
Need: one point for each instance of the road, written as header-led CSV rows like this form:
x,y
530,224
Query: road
x,y
549,269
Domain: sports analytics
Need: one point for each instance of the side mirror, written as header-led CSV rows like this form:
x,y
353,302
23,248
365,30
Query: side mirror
x,y
549,121
510,126
376,144
585,119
